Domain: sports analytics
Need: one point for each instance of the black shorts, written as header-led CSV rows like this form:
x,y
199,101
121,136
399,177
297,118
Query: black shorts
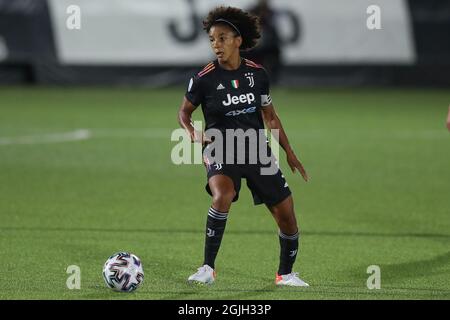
x,y
267,189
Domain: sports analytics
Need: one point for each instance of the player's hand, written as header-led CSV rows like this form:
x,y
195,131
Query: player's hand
x,y
294,163
199,137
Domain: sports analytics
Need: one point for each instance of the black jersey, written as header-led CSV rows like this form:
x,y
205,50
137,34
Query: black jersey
x,y
231,99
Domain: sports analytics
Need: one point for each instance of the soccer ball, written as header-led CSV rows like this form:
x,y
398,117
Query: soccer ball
x,y
123,272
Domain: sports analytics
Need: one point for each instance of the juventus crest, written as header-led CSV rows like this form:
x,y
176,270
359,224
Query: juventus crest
x,y
249,76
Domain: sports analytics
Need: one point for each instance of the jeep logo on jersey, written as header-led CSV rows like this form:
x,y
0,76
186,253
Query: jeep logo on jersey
x,y
243,98
239,112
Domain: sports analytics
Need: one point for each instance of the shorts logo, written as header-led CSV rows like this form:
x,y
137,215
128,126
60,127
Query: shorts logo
x,y
218,166
251,81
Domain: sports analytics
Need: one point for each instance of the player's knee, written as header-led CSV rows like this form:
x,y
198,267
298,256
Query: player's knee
x,y
286,221
223,199
289,223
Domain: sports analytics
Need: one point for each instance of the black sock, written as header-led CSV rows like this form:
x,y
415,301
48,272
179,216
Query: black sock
x,y
288,252
215,226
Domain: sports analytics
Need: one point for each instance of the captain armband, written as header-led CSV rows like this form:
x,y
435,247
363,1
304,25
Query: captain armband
x,y
266,100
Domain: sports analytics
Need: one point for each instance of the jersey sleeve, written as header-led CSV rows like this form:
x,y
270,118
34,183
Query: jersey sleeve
x,y
194,91
266,100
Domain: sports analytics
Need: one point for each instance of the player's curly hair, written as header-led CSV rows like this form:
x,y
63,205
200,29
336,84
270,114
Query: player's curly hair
x,y
247,24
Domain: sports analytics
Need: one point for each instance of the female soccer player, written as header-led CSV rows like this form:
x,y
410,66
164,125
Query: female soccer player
x,y
234,94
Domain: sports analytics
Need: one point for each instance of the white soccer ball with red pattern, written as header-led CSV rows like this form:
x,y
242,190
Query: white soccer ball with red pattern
x,y
123,272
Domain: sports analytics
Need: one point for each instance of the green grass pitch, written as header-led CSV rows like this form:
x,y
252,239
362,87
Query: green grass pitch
x,y
379,161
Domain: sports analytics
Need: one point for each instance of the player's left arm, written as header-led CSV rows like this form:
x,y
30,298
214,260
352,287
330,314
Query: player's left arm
x,y
273,122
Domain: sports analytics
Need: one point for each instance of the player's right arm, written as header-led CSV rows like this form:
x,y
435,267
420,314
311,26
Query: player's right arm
x,y
192,99
185,120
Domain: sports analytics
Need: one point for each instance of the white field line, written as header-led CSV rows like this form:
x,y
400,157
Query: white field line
x,y
165,133
77,135
84,134
146,133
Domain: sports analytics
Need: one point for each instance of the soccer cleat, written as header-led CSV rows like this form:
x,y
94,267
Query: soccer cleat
x,y
204,275
290,279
